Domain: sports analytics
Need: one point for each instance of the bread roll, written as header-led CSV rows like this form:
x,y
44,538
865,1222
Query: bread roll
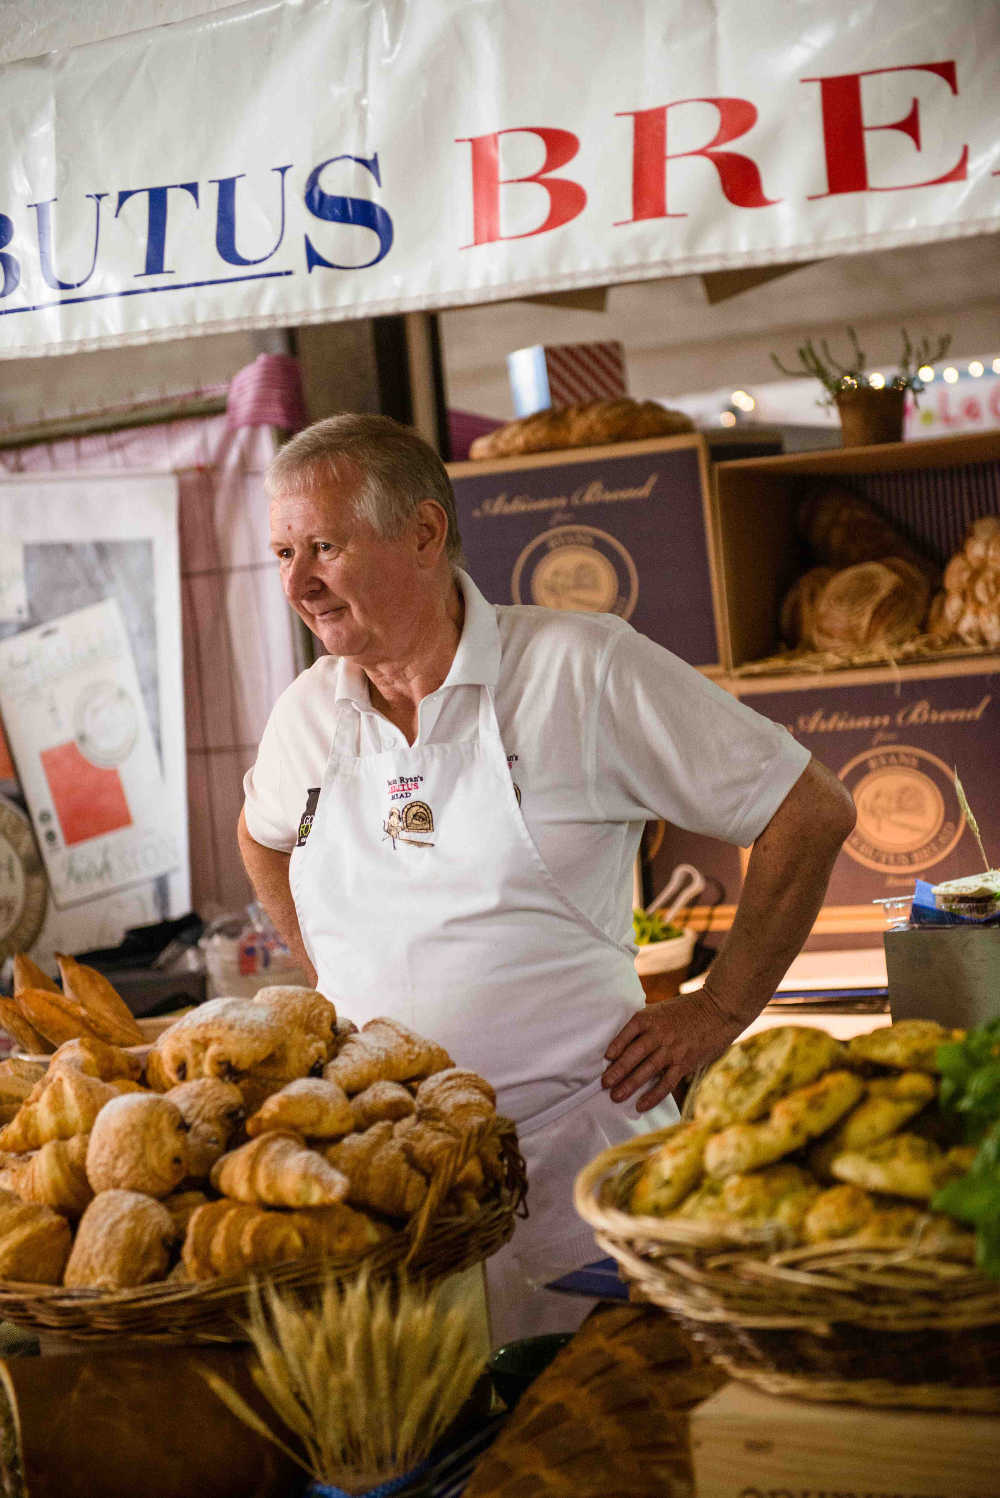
x,y
588,425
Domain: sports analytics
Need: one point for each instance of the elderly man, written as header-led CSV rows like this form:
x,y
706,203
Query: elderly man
x,y
445,811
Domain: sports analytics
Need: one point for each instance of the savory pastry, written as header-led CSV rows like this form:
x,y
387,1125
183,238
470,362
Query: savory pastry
x,y
34,1242
212,1112
124,1239
55,1175
303,1009
54,1015
65,1102
748,1080
106,1011
138,1143
977,895
670,1171
381,1100
379,1175
221,1038
19,1077
909,1044
798,1117
839,1212
21,1030
889,1102
902,1165
97,1058
778,1196
384,1049
277,1170
310,1106
456,1098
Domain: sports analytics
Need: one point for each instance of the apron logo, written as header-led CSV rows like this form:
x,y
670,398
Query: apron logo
x,y
308,816
415,816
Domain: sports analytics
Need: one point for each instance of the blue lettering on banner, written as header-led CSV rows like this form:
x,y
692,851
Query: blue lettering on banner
x,y
338,210
328,207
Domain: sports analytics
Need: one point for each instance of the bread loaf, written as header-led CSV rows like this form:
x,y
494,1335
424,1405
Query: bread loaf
x,y
870,606
841,529
588,425
967,609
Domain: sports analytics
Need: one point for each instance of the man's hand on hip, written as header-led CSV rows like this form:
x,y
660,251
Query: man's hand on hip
x,y
665,1042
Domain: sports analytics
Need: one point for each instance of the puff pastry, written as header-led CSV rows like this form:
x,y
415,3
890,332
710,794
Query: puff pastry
x,y
138,1143
21,1030
277,1170
310,1106
34,1242
213,1112
55,1175
64,1103
381,1100
124,1238
226,1237
386,1050
379,1175
97,1058
457,1098
304,1009
221,1038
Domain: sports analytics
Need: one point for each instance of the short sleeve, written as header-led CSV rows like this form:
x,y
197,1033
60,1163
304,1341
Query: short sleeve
x,y
267,817
671,744
290,758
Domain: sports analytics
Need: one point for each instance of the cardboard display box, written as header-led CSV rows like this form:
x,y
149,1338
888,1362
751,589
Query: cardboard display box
x,y
751,1445
623,529
931,491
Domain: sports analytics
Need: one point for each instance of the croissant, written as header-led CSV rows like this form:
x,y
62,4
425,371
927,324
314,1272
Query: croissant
x,y
384,1050
226,1237
97,1058
123,1239
54,1015
309,1106
34,1242
277,1170
302,1009
378,1173
212,1111
381,1100
55,1175
182,1206
105,1010
18,1077
63,1104
21,1030
138,1143
457,1098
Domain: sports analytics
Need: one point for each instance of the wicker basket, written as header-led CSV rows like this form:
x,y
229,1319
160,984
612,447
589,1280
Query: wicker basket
x,y
431,1247
840,1320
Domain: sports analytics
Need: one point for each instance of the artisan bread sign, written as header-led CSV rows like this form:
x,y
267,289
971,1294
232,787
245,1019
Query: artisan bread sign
x,y
608,532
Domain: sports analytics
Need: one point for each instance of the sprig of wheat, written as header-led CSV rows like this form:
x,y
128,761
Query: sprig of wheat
x,y
367,1377
967,813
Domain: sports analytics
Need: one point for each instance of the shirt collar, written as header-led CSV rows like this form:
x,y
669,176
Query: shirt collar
x,y
477,659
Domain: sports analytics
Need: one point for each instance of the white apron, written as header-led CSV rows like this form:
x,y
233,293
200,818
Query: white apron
x,y
420,894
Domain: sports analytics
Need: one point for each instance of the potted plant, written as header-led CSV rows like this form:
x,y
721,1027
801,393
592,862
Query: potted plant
x,y
870,406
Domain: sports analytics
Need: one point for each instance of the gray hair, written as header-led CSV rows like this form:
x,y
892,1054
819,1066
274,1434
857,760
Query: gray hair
x,y
392,467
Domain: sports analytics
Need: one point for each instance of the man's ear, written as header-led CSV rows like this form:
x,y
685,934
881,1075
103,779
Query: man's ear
x,y
431,531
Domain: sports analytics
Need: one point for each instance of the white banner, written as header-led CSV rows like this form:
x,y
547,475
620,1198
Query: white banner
x,y
295,161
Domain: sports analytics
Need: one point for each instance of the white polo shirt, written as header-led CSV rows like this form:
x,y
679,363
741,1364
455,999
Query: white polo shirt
x,y
603,729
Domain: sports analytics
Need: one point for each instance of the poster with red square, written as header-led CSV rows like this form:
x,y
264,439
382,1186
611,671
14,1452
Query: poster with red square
x,y
89,800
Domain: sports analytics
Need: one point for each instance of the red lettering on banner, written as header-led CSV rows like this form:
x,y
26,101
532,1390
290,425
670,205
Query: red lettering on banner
x,y
995,402
844,130
944,410
566,198
738,174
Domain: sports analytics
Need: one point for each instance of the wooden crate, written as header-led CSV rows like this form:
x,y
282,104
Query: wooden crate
x,y
750,1445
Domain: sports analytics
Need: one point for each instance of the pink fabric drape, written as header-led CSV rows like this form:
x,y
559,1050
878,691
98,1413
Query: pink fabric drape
x,y
238,632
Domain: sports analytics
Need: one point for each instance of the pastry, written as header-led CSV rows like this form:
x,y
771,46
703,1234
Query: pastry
x,y
801,1115
305,1009
34,1242
63,1103
21,1030
902,1165
839,1212
379,1175
27,974
976,895
55,1175
909,1044
138,1143
222,1038
386,1050
754,1073
381,1100
18,1077
779,1196
212,1112
889,1102
97,1059
310,1106
54,1015
106,1011
670,1171
430,1147
586,425
182,1206
277,1170
124,1239
457,1098
226,1237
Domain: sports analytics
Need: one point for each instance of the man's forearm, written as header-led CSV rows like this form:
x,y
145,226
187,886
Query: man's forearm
x,y
267,869
786,881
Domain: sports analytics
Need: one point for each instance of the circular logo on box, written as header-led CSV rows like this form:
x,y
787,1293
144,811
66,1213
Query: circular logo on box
x,y
576,567
105,724
23,886
908,811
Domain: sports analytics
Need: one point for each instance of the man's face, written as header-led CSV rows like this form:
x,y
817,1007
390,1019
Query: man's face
x,y
355,590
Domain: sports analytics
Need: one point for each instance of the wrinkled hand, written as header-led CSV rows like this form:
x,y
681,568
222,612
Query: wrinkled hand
x,y
666,1042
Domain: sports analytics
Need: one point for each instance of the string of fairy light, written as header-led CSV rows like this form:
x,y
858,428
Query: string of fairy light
x,y
743,401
